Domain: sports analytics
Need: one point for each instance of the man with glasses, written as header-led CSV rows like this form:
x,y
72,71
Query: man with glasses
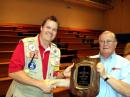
x,y
114,70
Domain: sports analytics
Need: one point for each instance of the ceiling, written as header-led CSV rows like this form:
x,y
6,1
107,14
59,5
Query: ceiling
x,y
99,4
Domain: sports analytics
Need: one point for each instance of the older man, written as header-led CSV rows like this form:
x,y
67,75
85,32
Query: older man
x,y
114,69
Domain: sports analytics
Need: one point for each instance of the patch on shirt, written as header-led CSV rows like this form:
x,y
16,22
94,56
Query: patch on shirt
x,y
116,68
31,47
56,68
32,65
31,54
26,70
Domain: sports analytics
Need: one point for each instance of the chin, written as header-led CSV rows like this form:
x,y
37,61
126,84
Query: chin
x,y
105,53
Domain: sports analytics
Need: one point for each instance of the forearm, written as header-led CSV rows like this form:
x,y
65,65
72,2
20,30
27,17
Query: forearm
x,y
23,78
120,86
45,85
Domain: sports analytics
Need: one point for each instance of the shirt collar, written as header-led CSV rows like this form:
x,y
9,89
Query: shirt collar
x,y
110,57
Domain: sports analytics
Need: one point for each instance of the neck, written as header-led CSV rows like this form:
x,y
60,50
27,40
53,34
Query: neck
x,y
44,43
106,56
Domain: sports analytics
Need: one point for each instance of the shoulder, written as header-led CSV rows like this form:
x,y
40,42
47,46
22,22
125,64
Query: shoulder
x,y
54,48
28,39
54,45
123,61
120,58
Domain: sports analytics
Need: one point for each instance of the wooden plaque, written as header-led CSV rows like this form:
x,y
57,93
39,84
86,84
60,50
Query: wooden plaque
x,y
84,81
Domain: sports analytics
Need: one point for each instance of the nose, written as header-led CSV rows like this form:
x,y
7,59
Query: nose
x,y
105,42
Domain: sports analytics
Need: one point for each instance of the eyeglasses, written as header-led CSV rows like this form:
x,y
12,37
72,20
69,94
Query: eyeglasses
x,y
106,41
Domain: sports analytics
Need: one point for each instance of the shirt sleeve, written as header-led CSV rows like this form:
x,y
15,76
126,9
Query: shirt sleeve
x,y
17,60
126,73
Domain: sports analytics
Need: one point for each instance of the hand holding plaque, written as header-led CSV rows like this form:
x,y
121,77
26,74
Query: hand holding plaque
x,y
84,80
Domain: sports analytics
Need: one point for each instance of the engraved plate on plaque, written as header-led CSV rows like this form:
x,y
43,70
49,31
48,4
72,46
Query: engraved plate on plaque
x,y
83,77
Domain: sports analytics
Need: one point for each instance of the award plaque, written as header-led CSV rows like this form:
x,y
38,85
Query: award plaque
x,y
84,81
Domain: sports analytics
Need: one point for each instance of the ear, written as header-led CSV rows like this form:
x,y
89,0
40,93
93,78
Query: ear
x,y
116,44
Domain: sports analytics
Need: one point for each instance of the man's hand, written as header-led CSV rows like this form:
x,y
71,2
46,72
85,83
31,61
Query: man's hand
x,y
101,70
67,71
47,85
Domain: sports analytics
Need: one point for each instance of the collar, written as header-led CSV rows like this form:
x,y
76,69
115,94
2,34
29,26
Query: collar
x,y
110,57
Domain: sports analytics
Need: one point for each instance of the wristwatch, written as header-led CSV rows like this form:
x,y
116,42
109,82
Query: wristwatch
x,y
107,77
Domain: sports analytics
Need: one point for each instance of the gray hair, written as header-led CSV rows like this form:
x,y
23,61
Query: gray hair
x,y
109,32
